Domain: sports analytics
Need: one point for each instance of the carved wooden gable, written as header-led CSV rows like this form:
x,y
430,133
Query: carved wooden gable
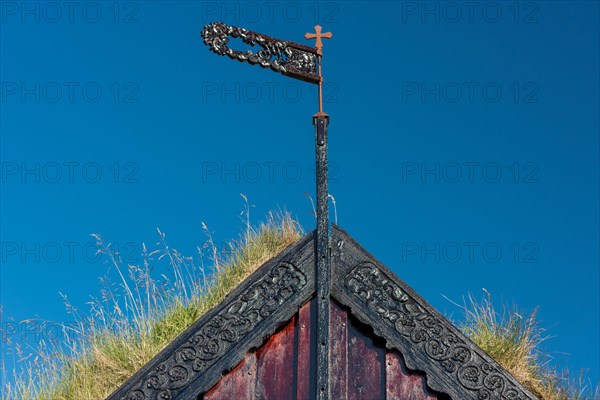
x,y
386,342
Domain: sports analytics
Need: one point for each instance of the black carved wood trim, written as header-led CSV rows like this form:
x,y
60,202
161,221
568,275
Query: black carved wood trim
x,y
218,341
429,342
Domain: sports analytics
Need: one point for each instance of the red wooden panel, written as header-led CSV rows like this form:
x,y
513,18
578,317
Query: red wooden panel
x,y
275,365
338,352
366,369
240,383
305,352
402,384
285,366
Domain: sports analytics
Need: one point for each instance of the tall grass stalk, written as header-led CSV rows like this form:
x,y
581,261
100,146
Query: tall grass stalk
x,y
138,315
514,339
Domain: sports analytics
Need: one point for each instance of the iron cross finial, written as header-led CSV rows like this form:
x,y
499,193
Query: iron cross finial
x,y
318,35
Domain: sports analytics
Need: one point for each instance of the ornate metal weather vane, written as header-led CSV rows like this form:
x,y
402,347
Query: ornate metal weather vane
x,y
291,59
300,62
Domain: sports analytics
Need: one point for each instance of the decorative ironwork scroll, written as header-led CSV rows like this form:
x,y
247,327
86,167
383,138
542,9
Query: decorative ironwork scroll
x,y
288,58
429,333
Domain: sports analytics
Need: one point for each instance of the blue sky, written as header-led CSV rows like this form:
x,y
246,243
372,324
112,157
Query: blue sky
x,y
463,145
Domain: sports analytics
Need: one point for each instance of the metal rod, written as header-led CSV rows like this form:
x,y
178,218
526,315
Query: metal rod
x,y
320,60
321,122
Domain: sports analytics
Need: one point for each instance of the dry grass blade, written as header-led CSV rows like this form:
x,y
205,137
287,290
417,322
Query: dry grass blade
x,y
514,339
125,330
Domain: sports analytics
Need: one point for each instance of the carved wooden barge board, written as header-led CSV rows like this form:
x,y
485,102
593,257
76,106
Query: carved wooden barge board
x,y
220,339
195,361
428,341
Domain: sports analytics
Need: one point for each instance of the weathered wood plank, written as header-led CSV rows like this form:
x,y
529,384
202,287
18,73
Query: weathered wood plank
x,y
240,383
338,352
401,384
275,365
365,366
305,352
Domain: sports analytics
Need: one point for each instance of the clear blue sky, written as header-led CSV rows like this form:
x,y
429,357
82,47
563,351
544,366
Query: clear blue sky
x,y
463,142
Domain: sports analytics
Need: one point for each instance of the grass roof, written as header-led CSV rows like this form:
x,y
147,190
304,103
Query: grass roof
x,y
139,315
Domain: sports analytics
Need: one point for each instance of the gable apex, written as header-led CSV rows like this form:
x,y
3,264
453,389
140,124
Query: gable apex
x,y
395,315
